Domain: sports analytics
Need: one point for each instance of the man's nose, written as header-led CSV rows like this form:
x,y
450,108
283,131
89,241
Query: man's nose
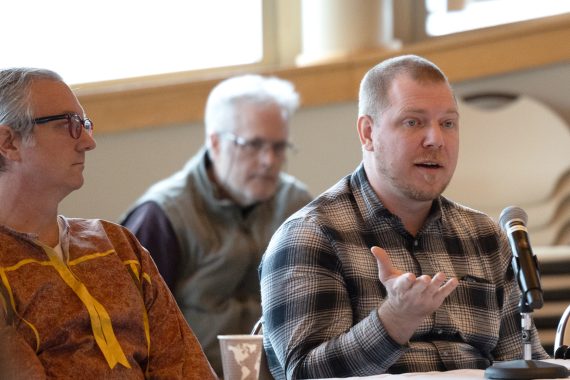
x,y
270,154
434,136
87,141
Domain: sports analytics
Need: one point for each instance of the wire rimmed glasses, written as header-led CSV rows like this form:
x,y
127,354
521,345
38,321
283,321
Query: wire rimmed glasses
x,y
257,145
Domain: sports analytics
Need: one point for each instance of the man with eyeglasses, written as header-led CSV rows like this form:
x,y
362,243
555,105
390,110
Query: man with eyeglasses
x,y
208,224
79,298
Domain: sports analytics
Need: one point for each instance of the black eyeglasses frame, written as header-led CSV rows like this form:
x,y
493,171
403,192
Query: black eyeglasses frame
x,y
75,123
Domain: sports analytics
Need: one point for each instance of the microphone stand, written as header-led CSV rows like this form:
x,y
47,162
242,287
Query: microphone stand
x,y
526,368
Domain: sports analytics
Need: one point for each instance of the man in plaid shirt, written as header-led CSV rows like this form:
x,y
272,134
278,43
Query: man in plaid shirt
x,y
439,294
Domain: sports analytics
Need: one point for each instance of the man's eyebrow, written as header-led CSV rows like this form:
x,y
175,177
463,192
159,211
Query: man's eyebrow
x,y
423,110
453,111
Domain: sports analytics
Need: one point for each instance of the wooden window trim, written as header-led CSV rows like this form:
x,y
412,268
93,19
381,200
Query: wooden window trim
x,y
180,98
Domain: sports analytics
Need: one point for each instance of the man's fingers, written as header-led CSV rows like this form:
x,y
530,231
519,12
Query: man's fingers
x,y
438,279
421,283
422,286
404,282
448,287
385,269
435,286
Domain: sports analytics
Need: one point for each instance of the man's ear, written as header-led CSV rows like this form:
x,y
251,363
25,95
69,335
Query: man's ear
x,y
365,125
214,144
9,143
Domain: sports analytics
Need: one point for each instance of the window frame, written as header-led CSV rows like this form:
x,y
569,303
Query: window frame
x,y
180,99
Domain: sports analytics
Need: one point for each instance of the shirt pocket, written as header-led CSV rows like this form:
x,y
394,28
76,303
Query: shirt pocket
x,y
476,310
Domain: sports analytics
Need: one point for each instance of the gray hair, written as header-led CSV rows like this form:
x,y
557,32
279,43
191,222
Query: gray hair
x,y
227,96
15,107
373,95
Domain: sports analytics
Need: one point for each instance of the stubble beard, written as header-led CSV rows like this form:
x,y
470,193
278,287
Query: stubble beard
x,y
408,189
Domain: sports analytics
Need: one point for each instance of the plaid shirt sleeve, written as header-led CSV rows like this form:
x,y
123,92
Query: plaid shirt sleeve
x,y
308,315
320,290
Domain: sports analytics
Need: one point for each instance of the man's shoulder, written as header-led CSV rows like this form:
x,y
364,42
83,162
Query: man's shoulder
x,y
96,228
291,183
176,184
96,234
475,220
450,206
325,208
174,188
291,189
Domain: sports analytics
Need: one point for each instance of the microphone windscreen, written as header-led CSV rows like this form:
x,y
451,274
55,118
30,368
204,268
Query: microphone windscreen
x,y
510,213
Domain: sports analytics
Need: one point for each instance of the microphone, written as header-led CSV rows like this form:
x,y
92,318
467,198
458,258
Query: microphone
x,y
513,221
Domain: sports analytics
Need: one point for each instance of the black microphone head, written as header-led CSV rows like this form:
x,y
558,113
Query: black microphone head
x,y
511,213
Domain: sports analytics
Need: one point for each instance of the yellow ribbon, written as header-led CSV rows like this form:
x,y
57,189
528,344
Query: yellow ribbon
x,y
6,283
100,319
134,267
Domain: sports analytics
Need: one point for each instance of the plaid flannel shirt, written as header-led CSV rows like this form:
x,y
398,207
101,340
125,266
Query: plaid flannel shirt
x,y
320,289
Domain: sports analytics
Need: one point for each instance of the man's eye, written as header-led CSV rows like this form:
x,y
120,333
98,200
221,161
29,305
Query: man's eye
x,y
411,123
449,124
255,144
280,146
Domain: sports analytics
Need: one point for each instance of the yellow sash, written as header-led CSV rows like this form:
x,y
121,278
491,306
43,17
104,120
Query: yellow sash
x,y
100,319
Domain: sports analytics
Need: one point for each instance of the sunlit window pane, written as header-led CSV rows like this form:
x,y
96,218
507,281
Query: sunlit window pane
x,y
486,13
87,41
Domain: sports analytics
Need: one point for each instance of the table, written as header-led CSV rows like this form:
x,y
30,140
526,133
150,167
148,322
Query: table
x,y
458,374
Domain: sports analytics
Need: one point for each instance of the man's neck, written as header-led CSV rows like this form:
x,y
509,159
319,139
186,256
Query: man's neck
x,y
413,218
219,190
23,212
413,214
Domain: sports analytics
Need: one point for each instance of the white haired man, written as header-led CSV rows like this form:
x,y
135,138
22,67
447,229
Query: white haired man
x,y
208,225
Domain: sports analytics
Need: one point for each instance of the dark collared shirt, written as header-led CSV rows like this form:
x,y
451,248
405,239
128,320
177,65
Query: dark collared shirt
x,y
320,289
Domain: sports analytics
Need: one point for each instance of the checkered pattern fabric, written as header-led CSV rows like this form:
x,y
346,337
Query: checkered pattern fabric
x,y
320,289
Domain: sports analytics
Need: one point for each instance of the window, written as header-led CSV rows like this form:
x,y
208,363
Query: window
x,y
89,41
452,16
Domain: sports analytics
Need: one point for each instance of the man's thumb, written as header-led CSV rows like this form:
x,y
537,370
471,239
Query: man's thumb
x,y
384,263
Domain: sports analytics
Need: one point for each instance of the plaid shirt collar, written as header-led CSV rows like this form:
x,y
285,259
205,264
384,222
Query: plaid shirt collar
x,y
372,208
